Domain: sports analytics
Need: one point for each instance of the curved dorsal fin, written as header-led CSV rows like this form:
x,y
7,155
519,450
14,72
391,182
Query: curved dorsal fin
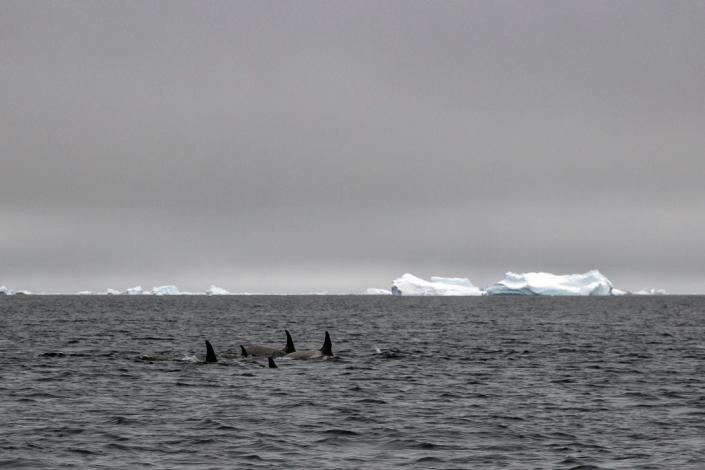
x,y
243,351
289,348
210,353
272,365
327,348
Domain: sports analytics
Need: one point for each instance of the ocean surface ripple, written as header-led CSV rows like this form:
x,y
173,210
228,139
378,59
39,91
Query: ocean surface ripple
x,y
489,382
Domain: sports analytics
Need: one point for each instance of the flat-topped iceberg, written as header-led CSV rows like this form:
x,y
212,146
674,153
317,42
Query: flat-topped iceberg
x,y
589,283
408,284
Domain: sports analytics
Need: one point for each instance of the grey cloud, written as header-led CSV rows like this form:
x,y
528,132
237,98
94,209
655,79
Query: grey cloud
x,y
320,145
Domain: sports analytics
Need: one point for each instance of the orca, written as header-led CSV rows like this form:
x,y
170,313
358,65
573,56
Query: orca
x,y
256,350
210,353
270,359
325,351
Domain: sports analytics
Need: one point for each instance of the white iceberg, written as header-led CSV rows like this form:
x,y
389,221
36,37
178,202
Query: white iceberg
x,y
84,292
166,290
408,284
5,291
376,291
589,283
137,290
215,290
110,291
651,292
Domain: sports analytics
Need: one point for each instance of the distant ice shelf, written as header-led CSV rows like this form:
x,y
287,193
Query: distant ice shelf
x,y
531,284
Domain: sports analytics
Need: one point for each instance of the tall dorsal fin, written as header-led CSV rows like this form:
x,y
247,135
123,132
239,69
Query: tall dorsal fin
x,y
272,365
289,348
210,353
327,348
243,351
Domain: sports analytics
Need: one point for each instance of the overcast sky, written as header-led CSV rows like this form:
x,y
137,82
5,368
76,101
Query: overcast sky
x,y
332,146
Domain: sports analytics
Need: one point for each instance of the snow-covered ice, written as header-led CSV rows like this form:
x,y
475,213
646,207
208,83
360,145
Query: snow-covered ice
x,y
589,283
215,290
376,291
532,283
651,292
455,281
4,290
166,290
409,284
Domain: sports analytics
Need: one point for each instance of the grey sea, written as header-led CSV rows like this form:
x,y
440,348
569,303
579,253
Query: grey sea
x,y
428,383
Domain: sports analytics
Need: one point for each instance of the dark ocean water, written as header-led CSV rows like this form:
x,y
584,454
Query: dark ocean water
x,y
491,382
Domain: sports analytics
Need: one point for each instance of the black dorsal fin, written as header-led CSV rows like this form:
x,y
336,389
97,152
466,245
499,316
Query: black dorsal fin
x,y
289,348
243,351
210,353
327,348
272,365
